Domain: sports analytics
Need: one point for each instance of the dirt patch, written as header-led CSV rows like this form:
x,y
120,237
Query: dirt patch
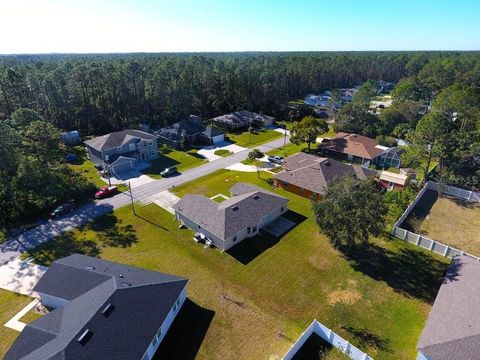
x,y
348,297
321,263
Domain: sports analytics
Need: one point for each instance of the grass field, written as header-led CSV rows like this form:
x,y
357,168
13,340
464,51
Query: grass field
x,y
223,152
168,157
10,304
256,138
452,221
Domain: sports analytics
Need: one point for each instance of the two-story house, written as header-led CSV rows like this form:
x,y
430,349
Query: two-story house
x,y
119,151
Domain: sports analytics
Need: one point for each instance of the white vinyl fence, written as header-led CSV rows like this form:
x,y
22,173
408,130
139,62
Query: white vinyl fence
x,y
424,242
330,337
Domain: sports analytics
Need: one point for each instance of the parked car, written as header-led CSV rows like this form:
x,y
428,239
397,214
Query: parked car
x,y
106,191
62,209
276,159
169,171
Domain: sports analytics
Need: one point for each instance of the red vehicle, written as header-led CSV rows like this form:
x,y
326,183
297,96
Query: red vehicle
x,y
106,191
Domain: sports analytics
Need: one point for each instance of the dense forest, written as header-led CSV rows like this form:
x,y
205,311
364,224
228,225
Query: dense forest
x,y
100,93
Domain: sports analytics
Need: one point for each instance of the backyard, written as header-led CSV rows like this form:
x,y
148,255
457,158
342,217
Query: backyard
x,y
449,220
254,301
168,157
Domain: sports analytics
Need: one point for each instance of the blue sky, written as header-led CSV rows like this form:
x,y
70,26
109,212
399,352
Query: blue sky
x,y
38,26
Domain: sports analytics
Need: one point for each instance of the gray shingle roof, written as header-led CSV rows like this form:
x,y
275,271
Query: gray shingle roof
x,y
140,301
118,138
453,326
241,118
314,173
245,208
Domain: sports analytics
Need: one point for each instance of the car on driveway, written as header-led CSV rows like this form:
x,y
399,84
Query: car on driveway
x,y
62,209
169,171
276,159
106,191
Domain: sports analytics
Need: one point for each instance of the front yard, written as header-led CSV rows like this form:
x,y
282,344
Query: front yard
x,y
379,300
257,137
168,157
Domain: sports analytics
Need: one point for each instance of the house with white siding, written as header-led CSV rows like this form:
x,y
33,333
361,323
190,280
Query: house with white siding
x,y
227,223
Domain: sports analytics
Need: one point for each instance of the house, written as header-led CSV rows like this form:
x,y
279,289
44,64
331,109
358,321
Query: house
x,y
101,310
321,100
393,181
119,151
227,223
242,119
71,138
195,130
309,175
352,147
452,330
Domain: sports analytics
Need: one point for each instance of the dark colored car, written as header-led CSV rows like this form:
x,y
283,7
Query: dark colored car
x,y
169,171
62,209
276,159
106,191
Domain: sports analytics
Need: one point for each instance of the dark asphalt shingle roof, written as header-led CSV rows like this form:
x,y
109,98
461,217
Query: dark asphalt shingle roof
x,y
140,301
192,125
117,139
241,118
453,326
245,208
314,173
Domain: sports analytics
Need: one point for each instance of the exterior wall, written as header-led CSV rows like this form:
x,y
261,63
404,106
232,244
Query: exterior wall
x,y
52,301
218,138
421,356
296,190
385,184
93,154
140,146
219,243
164,328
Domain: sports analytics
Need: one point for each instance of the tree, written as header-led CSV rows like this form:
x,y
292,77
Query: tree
x,y
354,119
255,155
307,131
366,94
350,212
407,89
183,140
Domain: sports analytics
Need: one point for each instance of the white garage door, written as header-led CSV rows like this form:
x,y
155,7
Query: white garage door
x,y
218,138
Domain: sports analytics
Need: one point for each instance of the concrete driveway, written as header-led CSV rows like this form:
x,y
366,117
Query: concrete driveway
x,y
134,176
20,276
164,199
209,151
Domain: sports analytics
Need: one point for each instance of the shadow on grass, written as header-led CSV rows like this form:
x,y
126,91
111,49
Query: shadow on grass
x,y
186,334
407,271
368,340
110,233
463,203
151,222
420,210
248,249
315,348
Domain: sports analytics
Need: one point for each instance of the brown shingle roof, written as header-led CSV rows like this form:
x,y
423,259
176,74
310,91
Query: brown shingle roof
x,y
453,326
353,144
314,173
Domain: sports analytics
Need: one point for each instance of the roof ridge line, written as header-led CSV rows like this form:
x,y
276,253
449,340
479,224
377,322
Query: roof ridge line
x,y
449,341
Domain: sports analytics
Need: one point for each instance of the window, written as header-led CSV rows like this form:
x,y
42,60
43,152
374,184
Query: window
x,y
254,228
249,230
234,238
119,148
132,147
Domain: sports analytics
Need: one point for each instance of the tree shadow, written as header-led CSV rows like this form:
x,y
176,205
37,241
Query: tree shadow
x,y
367,339
462,203
186,334
250,248
410,272
111,232
420,210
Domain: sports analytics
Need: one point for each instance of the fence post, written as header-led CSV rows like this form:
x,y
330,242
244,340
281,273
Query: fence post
x,y
446,250
418,239
405,234
432,244
347,348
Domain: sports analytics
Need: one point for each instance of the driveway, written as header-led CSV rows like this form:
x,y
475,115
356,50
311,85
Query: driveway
x,y
20,276
134,176
165,199
209,151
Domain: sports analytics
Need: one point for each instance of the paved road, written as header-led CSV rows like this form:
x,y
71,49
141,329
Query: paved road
x,y
47,230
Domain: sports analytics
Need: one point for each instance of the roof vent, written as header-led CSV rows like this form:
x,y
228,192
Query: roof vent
x,y
256,197
85,336
327,163
120,276
126,284
235,208
107,309
90,267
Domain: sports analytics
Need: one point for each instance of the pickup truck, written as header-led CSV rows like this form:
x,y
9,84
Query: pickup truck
x,y
106,191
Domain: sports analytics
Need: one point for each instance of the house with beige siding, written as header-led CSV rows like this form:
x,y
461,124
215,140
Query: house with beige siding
x,y
228,223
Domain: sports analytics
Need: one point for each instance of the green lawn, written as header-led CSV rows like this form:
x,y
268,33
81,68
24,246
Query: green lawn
x,y
254,301
30,316
223,152
168,157
10,304
256,138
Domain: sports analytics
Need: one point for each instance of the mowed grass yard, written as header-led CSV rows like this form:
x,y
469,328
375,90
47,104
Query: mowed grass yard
x,y
256,309
10,304
168,157
257,137
454,222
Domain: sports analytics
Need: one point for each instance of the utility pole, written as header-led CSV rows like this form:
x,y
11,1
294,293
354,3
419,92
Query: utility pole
x,y
131,198
284,138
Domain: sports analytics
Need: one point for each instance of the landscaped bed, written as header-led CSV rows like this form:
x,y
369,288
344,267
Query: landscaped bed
x,y
447,219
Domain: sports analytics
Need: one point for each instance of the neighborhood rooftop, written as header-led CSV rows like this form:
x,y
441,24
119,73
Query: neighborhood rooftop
x,y
314,173
453,326
117,139
108,303
245,208
243,118
354,145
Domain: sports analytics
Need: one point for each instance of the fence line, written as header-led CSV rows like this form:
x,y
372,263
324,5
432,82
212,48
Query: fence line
x,y
330,337
427,243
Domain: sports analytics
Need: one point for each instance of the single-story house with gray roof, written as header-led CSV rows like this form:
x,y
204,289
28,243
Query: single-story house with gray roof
x,y
195,130
227,223
119,151
101,310
453,326
242,119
